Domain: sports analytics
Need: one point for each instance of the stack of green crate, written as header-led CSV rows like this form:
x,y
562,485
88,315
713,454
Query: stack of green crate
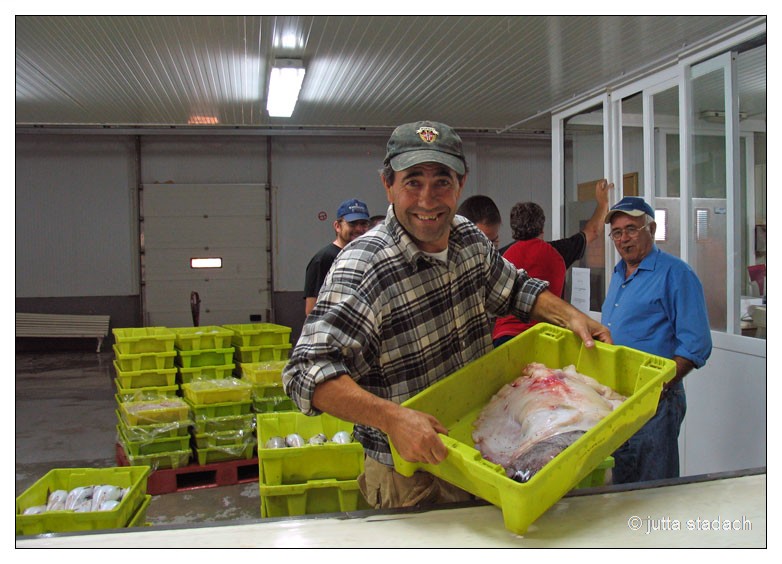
x,y
152,421
220,404
261,352
319,476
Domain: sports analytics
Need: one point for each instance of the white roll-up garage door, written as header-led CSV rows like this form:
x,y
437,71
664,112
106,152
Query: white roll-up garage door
x,y
183,225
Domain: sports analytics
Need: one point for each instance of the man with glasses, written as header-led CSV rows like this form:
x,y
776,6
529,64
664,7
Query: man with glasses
x,y
352,221
655,303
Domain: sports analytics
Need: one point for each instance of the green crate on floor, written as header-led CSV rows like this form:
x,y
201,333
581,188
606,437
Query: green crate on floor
x,y
162,460
205,337
244,423
140,518
224,453
142,394
257,334
202,411
457,400
211,357
232,438
156,411
218,391
155,430
145,378
274,404
134,478
144,361
316,496
268,373
262,353
196,373
133,340
295,465
147,446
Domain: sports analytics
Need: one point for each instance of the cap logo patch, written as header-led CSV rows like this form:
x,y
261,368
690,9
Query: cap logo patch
x,y
427,134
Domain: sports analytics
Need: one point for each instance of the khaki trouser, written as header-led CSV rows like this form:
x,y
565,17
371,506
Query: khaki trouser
x,y
384,488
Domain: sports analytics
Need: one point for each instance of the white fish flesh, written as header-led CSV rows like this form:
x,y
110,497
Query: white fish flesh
x,y
534,418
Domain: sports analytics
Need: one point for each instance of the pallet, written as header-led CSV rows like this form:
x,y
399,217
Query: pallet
x,y
196,476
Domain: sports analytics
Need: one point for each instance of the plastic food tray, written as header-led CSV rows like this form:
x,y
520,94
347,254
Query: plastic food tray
x,y
257,334
144,361
151,412
262,353
135,340
208,411
315,496
296,465
209,357
274,404
206,337
244,423
145,446
218,391
268,373
139,519
232,438
155,430
132,477
223,453
194,374
141,394
457,400
145,378
162,460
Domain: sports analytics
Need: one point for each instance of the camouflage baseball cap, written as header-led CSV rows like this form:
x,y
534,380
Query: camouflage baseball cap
x,y
425,142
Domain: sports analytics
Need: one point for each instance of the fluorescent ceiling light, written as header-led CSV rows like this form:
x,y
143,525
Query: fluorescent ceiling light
x,y
284,85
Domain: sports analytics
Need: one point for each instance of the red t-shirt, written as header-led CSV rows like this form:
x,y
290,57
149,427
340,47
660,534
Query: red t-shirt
x,y
540,260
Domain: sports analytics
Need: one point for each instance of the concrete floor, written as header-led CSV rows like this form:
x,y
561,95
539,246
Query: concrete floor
x,y
65,418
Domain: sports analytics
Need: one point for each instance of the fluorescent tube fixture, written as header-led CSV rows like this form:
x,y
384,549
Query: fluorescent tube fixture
x,y
284,85
211,262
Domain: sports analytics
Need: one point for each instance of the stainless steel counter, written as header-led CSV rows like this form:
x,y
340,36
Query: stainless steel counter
x,y
726,510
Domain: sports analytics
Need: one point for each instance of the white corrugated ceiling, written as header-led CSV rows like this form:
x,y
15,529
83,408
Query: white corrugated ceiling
x,y
483,72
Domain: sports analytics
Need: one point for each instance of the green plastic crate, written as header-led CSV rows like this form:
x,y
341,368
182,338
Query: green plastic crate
x,y
155,430
274,404
268,373
162,460
258,334
141,394
208,411
218,391
296,465
231,438
262,353
145,378
152,412
144,361
457,400
145,446
597,477
198,338
139,519
316,496
223,453
211,357
244,423
133,340
132,477
196,373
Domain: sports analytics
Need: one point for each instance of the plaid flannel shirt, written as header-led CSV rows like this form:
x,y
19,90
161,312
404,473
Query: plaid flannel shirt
x,y
398,320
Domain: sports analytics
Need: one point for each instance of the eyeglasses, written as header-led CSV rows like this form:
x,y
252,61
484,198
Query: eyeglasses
x,y
632,232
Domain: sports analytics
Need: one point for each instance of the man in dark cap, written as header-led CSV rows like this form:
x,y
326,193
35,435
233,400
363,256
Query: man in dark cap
x,y
655,304
406,305
352,221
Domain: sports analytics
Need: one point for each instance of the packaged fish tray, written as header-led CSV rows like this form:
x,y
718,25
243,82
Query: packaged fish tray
x,y
268,372
312,497
206,392
145,378
315,459
245,423
273,404
197,373
155,411
457,400
262,353
206,337
134,340
258,334
231,438
224,453
148,393
204,357
132,479
211,410
146,445
162,460
152,431
144,361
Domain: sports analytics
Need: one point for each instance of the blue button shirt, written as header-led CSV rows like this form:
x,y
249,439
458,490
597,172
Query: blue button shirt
x,y
660,309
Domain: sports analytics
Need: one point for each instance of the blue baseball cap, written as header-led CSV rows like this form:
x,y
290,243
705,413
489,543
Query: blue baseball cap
x,y
353,210
631,205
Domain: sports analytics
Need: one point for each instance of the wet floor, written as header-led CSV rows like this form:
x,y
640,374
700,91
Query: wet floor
x,y
65,418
